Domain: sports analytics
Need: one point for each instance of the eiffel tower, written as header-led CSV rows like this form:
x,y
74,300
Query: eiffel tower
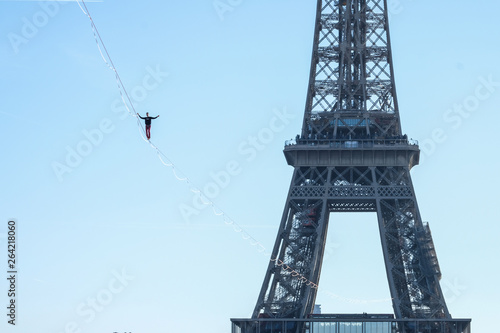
x,y
352,156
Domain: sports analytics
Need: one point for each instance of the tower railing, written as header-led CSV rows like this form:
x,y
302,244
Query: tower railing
x,y
353,143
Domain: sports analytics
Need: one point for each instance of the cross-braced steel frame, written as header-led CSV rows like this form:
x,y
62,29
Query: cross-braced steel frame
x,y
351,87
351,156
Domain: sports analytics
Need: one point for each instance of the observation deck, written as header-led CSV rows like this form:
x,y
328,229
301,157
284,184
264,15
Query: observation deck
x,y
343,323
347,152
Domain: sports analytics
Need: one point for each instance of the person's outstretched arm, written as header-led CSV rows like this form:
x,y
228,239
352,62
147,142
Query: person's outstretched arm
x,y
140,116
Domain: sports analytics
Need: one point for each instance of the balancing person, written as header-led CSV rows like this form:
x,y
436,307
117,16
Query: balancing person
x,y
147,122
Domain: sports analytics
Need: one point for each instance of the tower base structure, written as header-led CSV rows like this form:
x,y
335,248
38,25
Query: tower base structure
x,y
351,156
350,323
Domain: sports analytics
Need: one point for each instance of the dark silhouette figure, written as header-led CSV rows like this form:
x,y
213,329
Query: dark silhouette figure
x,y
147,122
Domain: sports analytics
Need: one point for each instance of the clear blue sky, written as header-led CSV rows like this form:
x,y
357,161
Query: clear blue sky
x,y
103,243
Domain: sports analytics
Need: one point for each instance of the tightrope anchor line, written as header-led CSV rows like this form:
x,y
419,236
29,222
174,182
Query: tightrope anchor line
x,y
216,210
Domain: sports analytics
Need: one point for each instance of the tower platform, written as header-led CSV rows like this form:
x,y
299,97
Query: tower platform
x,y
372,152
350,323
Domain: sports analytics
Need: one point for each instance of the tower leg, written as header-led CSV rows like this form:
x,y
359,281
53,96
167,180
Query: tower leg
x,y
290,285
411,264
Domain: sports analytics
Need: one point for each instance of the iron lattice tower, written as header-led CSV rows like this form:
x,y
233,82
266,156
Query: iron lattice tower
x,y
351,156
